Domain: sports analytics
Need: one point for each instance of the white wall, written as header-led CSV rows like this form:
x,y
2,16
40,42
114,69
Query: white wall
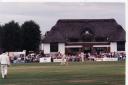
x,y
61,48
113,47
46,48
101,45
42,46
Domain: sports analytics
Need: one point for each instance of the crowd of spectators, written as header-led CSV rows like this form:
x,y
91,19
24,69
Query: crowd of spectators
x,y
90,56
31,57
35,57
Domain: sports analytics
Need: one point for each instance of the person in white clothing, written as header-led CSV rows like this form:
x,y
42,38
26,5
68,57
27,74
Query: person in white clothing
x,y
5,62
63,59
82,56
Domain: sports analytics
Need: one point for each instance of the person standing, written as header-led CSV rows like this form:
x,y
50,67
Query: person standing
x,y
5,62
82,56
63,58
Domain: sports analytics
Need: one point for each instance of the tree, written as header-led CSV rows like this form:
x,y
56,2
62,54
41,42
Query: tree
x,y
31,36
11,36
1,35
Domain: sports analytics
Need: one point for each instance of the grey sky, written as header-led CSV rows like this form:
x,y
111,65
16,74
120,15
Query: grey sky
x,y
47,14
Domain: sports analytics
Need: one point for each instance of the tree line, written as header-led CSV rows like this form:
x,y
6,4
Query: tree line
x,y
15,37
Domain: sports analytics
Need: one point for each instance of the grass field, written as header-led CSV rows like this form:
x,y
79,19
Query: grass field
x,y
88,73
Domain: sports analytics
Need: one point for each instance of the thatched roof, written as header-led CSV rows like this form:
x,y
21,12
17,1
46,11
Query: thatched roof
x,y
66,29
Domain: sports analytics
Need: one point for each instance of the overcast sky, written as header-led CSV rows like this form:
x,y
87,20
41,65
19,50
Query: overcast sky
x,y
47,14
62,0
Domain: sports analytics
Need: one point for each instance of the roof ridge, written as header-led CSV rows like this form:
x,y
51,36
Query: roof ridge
x,y
85,20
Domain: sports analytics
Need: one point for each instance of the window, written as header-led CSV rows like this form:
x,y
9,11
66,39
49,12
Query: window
x,y
87,50
120,46
74,51
99,49
53,47
87,35
87,38
86,32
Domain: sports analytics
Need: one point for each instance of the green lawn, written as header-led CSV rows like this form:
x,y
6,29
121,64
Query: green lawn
x,y
88,73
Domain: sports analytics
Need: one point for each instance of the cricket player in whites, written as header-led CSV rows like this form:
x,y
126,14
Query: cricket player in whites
x,y
5,62
63,59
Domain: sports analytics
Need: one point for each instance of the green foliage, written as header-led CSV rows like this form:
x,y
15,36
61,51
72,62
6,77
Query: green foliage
x,y
14,37
11,36
1,34
31,36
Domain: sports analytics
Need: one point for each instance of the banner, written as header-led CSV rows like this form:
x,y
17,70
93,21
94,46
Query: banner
x,y
58,60
106,59
45,59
